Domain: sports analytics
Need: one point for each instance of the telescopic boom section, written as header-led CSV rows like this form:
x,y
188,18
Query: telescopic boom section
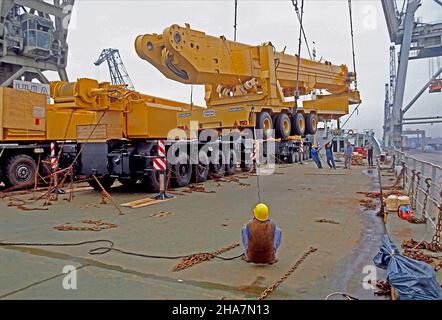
x,y
232,69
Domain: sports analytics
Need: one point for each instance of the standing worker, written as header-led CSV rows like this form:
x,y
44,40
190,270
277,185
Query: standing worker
x,y
329,153
260,237
314,152
370,154
348,153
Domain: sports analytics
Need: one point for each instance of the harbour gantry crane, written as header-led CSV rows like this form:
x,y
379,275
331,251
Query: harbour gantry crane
x,y
249,86
33,39
117,70
417,41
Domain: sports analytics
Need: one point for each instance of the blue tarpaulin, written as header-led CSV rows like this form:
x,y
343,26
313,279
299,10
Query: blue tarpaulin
x,y
412,279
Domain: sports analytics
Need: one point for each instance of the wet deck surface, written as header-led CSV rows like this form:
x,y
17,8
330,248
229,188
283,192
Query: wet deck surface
x,y
297,195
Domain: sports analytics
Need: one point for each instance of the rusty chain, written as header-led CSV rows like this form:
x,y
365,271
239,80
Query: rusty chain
x,y
96,225
398,179
411,185
270,289
327,221
436,238
193,259
417,255
427,193
416,190
413,244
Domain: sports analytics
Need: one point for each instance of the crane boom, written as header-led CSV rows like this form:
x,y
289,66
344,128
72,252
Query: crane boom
x,y
230,68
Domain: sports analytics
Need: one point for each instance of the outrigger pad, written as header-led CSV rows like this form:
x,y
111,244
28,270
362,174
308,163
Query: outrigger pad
x,y
412,279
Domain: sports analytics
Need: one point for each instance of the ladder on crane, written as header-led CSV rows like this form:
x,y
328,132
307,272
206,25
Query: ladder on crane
x,y
117,70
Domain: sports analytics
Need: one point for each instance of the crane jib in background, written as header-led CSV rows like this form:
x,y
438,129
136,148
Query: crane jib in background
x,y
117,70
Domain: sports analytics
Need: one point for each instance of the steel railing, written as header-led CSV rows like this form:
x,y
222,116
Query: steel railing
x,y
422,181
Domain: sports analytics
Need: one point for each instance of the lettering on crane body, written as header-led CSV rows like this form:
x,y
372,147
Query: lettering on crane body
x,y
32,87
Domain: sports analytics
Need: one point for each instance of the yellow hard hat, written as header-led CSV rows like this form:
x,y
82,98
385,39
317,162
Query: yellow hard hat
x,y
261,212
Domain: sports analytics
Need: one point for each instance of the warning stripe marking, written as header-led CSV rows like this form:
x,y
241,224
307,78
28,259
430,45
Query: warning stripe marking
x,y
159,164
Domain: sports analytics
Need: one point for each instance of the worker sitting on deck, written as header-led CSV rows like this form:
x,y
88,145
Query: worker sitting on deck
x,y
314,152
260,237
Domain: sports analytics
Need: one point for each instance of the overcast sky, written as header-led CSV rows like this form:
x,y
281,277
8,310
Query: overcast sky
x,y
115,24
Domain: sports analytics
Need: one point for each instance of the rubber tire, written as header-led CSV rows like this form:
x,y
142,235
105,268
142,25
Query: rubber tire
x,y
296,124
13,163
231,165
311,123
218,170
200,173
279,126
105,181
179,179
292,157
246,167
151,181
260,119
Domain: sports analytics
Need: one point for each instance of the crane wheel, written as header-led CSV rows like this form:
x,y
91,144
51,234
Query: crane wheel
x,y
311,125
232,163
105,181
218,169
298,124
283,126
20,170
246,167
181,174
200,173
201,170
264,122
292,158
152,181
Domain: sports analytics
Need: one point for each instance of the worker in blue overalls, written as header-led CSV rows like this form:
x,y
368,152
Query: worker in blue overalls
x,y
314,152
329,153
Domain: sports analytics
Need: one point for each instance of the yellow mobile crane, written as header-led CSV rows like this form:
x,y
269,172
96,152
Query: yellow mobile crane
x,y
112,132
249,86
109,130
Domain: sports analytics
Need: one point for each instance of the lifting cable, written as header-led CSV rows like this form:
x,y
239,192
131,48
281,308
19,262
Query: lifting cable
x,y
106,249
354,64
352,42
257,152
295,4
235,20
300,17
